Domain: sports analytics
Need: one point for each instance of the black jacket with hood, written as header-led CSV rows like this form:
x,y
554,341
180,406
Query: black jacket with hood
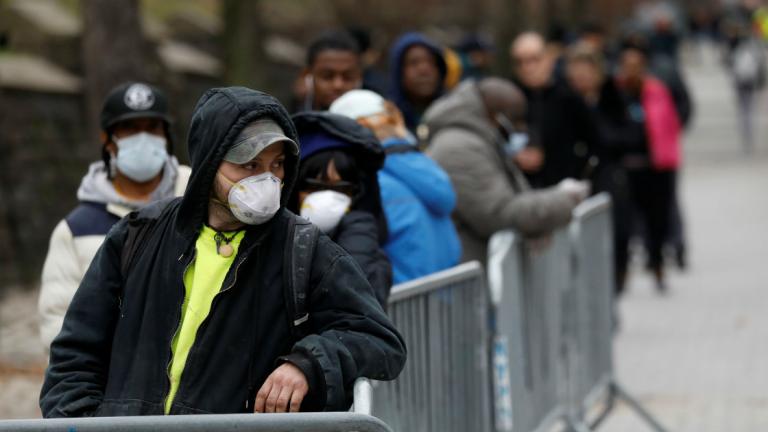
x,y
113,353
363,230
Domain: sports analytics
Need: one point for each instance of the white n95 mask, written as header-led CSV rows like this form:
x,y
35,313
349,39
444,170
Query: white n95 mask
x,y
254,200
325,209
141,156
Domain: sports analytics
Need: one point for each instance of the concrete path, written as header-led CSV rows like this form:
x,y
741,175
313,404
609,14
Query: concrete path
x,y
698,358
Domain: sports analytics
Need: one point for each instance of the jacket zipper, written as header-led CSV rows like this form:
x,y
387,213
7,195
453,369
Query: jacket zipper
x,y
204,323
178,327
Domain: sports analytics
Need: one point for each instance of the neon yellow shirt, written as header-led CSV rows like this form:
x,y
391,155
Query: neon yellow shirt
x,y
202,281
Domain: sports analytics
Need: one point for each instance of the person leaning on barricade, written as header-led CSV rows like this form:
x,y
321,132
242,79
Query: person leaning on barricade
x,y
137,168
475,133
221,301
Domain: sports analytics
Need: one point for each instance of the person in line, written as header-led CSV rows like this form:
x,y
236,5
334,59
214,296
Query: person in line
x,y
221,301
418,69
137,168
338,190
652,165
417,194
618,133
476,134
566,137
334,67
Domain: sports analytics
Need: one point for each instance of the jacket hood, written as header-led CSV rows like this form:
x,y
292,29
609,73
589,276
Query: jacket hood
x,y
367,150
396,70
359,138
97,187
219,117
462,108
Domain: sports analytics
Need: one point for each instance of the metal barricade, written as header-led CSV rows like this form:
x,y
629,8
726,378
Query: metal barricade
x,y
527,283
589,319
590,304
357,420
297,422
445,385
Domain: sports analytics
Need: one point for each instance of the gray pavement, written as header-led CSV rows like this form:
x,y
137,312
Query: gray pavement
x,y
698,357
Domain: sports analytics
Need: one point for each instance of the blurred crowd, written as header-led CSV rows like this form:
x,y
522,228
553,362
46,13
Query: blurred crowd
x,y
409,172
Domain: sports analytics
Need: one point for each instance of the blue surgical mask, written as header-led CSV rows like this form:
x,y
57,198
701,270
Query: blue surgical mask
x,y
141,156
515,140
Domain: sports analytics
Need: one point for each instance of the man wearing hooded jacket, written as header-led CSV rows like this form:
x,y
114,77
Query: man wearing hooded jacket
x,y
137,168
199,321
418,71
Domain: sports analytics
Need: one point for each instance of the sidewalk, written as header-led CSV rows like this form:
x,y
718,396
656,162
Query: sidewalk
x,y
698,358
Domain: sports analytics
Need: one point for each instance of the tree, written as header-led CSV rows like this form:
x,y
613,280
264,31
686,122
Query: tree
x,y
242,48
114,50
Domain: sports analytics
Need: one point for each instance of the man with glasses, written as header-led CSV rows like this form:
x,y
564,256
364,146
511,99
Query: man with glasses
x,y
565,133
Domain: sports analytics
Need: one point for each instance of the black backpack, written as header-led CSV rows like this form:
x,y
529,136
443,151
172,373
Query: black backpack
x,y
302,236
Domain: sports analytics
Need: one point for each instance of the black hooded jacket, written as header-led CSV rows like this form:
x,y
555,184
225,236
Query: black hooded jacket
x,y
113,353
363,230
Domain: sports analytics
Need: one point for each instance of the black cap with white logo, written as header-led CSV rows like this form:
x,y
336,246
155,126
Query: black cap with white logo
x,y
133,100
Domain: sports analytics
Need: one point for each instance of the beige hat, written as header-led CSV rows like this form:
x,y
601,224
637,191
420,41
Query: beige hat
x,y
256,137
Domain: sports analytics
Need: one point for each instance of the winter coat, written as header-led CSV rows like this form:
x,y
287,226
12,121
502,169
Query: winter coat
x,y
418,199
662,125
492,194
78,236
363,230
411,115
357,234
112,355
561,124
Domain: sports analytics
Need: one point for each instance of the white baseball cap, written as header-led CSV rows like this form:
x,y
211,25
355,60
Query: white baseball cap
x,y
357,104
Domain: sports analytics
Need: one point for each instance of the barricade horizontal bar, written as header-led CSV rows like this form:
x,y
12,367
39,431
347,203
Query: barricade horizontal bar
x,y
298,422
435,281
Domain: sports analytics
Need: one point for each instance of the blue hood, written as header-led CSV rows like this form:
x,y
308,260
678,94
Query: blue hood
x,y
397,52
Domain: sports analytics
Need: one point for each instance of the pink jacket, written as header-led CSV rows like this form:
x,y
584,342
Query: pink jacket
x,y
662,125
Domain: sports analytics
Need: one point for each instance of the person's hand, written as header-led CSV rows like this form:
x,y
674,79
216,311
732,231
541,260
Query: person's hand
x,y
283,391
530,159
578,190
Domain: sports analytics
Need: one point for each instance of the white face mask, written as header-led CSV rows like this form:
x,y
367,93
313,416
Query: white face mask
x,y
254,200
325,209
141,156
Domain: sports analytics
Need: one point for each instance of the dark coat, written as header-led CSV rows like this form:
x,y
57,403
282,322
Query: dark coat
x,y
357,234
562,125
113,353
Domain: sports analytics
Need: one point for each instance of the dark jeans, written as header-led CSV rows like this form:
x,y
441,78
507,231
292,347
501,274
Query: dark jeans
x,y
652,195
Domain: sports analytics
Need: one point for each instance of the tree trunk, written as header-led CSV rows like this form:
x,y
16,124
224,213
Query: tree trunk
x,y
243,44
114,51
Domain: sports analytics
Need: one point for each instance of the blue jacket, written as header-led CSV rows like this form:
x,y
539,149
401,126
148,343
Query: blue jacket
x,y
418,199
410,114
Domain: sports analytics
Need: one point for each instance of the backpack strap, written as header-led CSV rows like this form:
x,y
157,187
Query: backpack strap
x,y
299,252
